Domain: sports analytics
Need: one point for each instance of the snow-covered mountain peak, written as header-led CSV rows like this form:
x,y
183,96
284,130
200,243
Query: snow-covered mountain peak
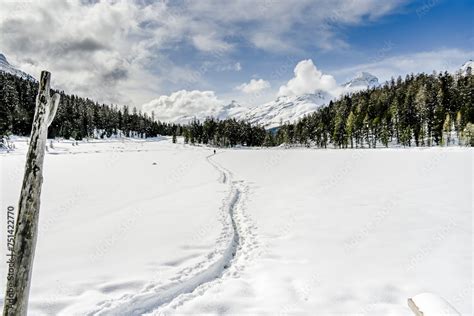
x,y
285,109
467,67
233,109
233,104
3,60
313,97
363,79
6,67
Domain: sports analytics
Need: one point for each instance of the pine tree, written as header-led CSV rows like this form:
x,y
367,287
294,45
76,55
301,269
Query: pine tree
x,y
385,134
421,114
458,125
394,110
269,140
447,130
339,137
366,129
405,136
430,109
186,136
439,117
468,135
350,124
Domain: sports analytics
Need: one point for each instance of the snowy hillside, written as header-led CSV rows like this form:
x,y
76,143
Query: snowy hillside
x,y
183,106
468,67
291,108
134,227
6,67
284,109
363,80
231,110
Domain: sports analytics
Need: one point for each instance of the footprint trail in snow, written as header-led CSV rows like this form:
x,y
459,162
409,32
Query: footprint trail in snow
x,y
235,246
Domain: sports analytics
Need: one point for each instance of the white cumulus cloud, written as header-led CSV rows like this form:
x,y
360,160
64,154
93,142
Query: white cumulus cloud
x,y
181,106
308,79
254,86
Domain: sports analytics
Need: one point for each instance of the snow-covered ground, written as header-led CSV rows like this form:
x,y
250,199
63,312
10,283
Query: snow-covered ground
x,y
134,227
113,222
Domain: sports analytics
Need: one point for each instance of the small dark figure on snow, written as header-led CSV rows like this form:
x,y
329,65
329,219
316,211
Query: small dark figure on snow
x,y
214,151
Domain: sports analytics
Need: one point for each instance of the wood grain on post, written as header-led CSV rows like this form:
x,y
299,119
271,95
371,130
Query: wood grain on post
x,y
430,304
414,308
26,229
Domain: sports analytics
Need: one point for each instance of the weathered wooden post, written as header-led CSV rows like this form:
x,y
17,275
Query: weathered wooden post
x,y
26,229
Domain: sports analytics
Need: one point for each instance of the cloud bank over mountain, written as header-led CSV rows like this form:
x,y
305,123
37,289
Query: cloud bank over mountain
x,y
308,79
307,91
183,105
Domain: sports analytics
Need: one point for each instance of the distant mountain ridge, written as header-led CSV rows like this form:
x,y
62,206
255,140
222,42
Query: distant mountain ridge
x,y
363,79
468,67
6,67
285,109
289,109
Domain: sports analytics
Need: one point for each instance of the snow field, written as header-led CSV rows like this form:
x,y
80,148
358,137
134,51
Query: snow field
x,y
113,223
351,232
154,228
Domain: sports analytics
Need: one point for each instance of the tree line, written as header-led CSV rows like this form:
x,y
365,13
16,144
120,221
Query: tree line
x,y
76,118
79,118
223,133
421,110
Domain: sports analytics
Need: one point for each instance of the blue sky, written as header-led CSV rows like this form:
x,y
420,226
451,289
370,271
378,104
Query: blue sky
x,y
445,25
131,52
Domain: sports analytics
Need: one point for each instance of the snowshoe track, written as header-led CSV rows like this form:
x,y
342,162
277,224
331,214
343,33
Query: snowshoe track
x,y
235,245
